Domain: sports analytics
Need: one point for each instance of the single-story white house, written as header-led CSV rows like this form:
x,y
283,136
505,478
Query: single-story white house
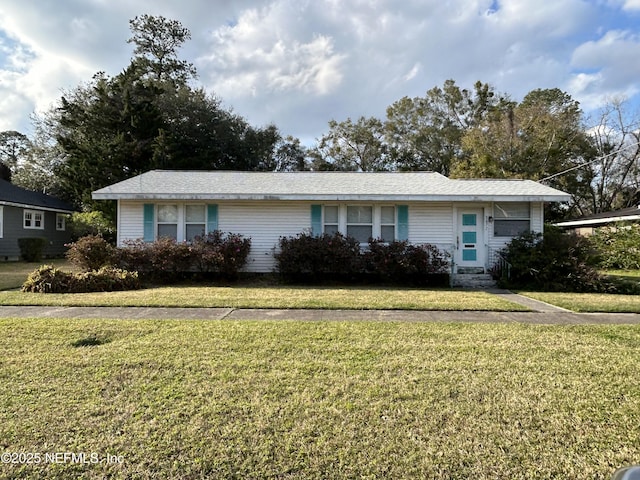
x,y
471,219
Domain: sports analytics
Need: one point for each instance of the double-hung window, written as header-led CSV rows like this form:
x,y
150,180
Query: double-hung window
x,y
61,220
331,219
195,221
511,219
167,225
33,219
360,222
388,223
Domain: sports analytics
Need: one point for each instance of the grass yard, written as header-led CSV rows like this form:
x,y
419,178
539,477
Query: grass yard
x,y
589,302
203,399
242,296
13,274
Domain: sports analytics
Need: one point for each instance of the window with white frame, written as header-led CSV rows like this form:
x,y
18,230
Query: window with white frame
x,y
167,224
388,223
195,219
33,219
511,219
360,222
331,223
61,221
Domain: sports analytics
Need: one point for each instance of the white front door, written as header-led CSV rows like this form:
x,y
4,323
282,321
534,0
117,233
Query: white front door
x,y
470,240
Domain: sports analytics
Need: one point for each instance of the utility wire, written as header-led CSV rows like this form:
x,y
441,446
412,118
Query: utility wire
x,y
597,159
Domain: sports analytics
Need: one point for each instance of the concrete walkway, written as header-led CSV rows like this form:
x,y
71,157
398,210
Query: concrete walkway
x,y
132,313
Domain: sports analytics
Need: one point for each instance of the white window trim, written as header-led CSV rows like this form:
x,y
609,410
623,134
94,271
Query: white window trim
x,y
181,222
63,217
516,218
376,230
185,223
33,219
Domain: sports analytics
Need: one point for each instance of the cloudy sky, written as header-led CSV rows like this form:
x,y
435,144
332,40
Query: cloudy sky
x,y
301,63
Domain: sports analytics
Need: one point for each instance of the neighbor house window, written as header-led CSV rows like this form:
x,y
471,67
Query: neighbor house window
x,y
33,219
511,219
388,224
167,225
331,222
195,221
61,221
360,222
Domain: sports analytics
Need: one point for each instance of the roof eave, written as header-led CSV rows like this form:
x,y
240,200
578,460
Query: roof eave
x,y
332,197
597,221
36,207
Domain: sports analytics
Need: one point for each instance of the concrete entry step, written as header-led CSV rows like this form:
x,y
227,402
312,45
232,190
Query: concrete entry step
x,y
470,280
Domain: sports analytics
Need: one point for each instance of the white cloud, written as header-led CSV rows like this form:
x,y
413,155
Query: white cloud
x,y
607,67
300,63
631,5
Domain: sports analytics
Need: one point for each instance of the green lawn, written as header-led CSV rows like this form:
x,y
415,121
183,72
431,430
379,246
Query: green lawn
x,y
243,296
13,274
205,399
589,302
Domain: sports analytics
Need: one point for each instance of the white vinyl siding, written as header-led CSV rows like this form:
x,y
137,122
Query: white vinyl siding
x,y
431,223
264,223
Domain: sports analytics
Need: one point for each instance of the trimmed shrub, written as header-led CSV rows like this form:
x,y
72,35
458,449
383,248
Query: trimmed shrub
x,y
221,253
404,263
91,253
617,247
553,261
337,257
48,279
161,261
31,249
306,257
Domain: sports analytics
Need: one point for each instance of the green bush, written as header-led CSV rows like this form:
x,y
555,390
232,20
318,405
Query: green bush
x,y
91,253
32,249
617,247
404,263
166,260
221,253
48,279
338,257
553,261
306,257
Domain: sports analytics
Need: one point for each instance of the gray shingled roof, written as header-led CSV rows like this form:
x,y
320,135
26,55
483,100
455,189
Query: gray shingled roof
x,y
325,186
13,195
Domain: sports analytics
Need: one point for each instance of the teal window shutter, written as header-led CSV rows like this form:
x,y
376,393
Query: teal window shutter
x,y
148,220
403,222
316,220
212,218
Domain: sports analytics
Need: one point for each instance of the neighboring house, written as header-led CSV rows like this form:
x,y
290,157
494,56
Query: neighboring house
x,y
471,219
586,225
25,214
